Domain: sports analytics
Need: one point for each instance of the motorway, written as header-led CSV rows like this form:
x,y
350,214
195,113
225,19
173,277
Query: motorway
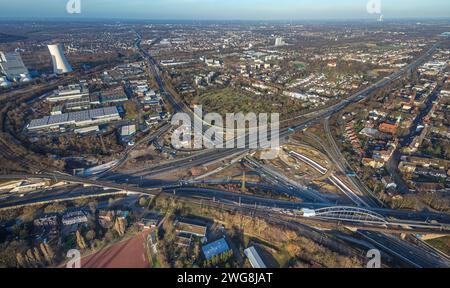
x,y
274,210
198,159
84,181
416,256
436,221
307,120
51,195
303,122
299,123
407,252
177,106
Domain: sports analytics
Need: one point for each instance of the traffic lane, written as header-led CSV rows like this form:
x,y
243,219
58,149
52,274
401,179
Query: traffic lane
x,y
417,257
21,201
397,214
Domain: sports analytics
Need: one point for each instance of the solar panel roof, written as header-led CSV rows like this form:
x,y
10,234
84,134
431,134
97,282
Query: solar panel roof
x,y
56,119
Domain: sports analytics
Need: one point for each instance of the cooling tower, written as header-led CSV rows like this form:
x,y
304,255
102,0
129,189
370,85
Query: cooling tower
x,y
60,63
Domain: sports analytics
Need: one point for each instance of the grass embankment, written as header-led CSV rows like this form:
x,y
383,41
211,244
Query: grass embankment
x,y
442,244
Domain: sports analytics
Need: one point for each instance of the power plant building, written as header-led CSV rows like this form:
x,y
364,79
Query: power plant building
x,y
60,63
11,65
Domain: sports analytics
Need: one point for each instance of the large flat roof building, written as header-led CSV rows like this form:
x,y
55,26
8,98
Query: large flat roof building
x,y
69,92
78,119
12,66
78,104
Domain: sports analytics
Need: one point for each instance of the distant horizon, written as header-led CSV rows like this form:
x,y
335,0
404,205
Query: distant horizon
x,y
229,10
282,21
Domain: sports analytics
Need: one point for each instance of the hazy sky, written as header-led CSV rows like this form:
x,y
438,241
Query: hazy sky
x,y
225,9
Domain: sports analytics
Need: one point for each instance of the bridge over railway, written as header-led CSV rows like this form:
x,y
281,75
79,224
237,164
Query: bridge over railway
x,y
364,217
349,214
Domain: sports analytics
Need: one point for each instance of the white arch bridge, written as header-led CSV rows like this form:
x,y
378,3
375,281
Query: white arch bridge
x,y
347,214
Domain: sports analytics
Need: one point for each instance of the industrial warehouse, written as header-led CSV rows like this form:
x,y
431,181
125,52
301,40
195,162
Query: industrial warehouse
x,y
78,119
70,92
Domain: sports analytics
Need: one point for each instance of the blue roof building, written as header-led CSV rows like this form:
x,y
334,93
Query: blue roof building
x,y
215,248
